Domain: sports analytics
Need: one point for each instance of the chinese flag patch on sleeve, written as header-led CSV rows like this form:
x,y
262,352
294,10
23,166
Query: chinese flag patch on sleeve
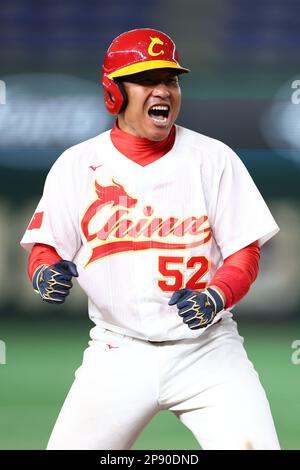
x,y
36,221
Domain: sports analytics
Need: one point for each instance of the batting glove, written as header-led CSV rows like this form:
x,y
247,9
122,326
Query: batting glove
x,y
53,282
197,309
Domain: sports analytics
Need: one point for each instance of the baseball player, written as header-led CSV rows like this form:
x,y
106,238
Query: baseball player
x,y
163,228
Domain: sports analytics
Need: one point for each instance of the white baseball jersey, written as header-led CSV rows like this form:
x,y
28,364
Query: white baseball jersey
x,y
138,233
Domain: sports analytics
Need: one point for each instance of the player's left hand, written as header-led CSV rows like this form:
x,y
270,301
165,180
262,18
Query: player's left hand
x,y
197,309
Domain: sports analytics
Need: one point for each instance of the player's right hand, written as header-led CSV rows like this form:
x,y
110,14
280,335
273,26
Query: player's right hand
x,y
53,282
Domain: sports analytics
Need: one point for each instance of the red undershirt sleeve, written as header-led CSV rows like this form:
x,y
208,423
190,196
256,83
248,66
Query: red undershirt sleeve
x,y
237,273
41,254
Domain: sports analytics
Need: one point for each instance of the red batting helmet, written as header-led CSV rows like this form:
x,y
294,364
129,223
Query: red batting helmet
x,y
132,52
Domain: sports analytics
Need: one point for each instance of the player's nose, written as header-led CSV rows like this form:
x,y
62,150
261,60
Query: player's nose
x,y
161,89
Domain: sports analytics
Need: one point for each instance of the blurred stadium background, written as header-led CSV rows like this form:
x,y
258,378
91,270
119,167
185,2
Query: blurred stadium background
x,y
243,90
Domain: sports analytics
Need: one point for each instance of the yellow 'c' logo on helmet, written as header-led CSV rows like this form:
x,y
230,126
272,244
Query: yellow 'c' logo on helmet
x,y
152,44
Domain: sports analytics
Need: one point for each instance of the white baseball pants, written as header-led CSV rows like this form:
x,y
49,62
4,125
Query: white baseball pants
x,y
208,382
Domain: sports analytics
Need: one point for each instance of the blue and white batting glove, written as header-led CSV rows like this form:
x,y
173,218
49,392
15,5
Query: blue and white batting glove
x,y
53,282
197,309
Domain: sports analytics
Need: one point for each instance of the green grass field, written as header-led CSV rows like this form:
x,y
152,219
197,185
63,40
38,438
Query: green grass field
x,y
41,357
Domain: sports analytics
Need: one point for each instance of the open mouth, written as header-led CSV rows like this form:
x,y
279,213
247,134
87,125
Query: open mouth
x,y
159,113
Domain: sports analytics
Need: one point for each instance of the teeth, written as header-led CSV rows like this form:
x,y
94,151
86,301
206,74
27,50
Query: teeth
x,y
160,108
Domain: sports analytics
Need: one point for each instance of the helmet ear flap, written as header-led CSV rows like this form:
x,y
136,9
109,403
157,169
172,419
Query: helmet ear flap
x,y
114,95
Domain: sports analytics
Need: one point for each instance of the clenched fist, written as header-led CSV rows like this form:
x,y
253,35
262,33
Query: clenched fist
x,y
53,282
197,309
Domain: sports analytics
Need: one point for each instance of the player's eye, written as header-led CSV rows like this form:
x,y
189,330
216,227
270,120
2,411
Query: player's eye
x,y
172,81
146,82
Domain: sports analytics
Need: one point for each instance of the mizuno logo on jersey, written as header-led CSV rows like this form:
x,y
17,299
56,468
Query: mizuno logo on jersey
x,y
94,168
110,225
